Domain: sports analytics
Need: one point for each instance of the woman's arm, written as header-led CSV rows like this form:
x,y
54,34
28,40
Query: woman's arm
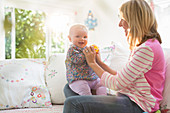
x,y
104,66
98,67
134,70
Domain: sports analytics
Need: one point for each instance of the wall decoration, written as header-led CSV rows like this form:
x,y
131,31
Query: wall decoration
x,y
91,22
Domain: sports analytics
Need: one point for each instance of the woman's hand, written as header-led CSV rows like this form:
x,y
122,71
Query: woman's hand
x,y
95,62
90,55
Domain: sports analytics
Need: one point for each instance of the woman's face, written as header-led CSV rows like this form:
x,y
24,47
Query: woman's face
x,y
125,26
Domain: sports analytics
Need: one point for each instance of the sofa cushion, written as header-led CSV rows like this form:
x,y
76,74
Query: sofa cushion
x,y
119,57
115,56
56,77
22,84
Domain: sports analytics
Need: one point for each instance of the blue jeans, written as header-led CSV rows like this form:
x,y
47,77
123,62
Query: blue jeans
x,y
98,104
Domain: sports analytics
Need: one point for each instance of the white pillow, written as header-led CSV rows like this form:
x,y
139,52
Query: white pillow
x,y
56,77
120,57
116,56
165,103
22,84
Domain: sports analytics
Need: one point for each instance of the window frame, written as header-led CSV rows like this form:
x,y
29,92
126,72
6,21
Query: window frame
x,y
2,33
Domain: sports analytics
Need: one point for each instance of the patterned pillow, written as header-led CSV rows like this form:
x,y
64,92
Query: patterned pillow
x,y
107,53
22,84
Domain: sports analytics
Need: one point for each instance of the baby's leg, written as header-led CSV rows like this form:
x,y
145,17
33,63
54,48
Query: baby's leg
x,y
81,87
100,89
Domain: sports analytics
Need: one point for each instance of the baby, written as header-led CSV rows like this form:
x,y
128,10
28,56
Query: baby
x,y
81,78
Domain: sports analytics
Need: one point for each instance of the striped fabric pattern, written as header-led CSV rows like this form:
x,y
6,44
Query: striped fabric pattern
x,y
131,79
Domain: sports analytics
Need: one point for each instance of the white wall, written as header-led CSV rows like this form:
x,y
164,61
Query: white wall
x,y
107,30
162,13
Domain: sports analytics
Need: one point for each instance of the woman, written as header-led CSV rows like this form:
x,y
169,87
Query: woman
x,y
141,81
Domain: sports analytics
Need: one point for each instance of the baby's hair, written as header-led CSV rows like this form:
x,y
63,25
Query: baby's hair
x,y
81,26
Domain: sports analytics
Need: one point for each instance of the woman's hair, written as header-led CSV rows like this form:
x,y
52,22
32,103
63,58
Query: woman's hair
x,y
141,21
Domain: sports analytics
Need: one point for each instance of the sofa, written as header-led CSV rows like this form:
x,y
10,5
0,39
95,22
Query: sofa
x,y
36,85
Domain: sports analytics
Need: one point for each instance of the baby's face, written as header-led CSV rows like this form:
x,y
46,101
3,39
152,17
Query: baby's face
x,y
79,37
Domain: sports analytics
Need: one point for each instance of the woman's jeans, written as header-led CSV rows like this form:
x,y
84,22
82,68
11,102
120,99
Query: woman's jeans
x,y
98,104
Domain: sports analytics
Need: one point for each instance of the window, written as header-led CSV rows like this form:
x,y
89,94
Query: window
x,y
57,25
8,30
25,35
33,34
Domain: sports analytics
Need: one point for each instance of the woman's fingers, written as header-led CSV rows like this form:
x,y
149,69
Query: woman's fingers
x,y
92,49
88,50
90,54
85,51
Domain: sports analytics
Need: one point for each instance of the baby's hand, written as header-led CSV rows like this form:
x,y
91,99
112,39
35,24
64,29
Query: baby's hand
x,y
95,48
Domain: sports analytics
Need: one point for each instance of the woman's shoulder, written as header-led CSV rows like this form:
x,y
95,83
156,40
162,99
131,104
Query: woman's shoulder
x,y
143,50
151,47
143,47
150,44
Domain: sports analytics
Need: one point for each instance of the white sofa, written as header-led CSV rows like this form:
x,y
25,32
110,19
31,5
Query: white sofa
x,y
54,80
23,85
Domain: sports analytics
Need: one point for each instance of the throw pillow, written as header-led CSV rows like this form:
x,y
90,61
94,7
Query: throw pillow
x,y
56,77
107,53
120,57
22,84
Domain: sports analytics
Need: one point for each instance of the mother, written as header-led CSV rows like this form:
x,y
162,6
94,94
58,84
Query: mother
x,y
141,81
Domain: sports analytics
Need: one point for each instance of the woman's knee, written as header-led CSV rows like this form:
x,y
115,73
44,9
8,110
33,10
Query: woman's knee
x,y
70,105
68,101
